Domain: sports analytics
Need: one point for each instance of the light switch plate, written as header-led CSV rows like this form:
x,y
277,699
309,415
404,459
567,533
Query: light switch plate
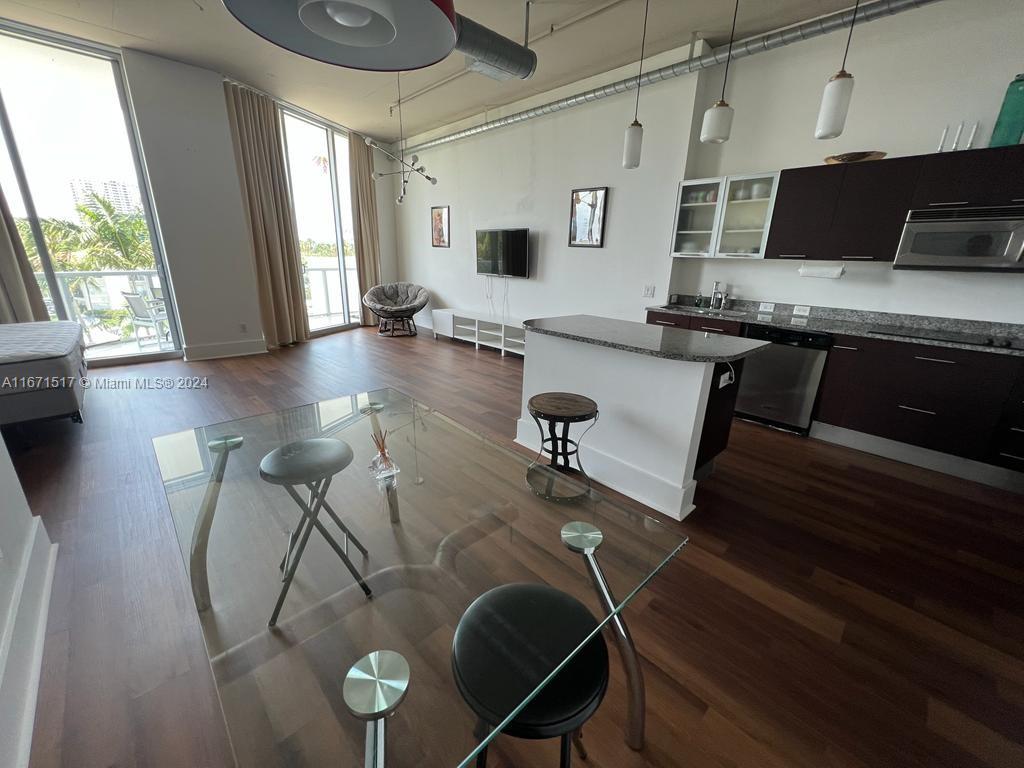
x,y
766,306
798,321
649,291
801,310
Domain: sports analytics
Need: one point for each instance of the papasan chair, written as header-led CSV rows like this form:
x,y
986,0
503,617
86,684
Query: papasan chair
x,y
394,304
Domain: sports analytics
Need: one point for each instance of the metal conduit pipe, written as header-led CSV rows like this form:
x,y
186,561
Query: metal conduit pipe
x,y
807,30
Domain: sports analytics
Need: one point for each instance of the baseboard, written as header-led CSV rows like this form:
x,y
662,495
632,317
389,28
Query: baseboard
x,y
987,474
628,479
224,349
21,664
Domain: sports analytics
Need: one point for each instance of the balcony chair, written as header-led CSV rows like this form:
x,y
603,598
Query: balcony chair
x,y
148,314
394,304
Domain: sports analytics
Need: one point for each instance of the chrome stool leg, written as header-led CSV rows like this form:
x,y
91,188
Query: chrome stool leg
x,y
585,539
374,687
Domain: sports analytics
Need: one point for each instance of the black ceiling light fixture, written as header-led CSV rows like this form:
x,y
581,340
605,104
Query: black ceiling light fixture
x,y
382,35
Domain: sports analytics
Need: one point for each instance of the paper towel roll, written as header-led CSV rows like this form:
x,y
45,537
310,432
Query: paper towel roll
x,y
830,271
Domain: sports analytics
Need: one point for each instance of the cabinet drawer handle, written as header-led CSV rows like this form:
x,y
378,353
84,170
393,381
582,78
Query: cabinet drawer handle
x,y
935,360
1017,200
1016,429
916,410
955,202
851,349
858,258
792,255
1011,456
709,328
664,322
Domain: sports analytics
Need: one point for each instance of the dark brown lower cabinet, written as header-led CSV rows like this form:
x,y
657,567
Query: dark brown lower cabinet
x,y
694,323
672,319
948,400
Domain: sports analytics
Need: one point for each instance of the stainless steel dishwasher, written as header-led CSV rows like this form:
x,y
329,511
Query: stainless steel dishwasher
x,y
779,385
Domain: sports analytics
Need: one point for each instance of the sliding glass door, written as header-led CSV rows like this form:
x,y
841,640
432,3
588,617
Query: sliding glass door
x,y
318,174
69,171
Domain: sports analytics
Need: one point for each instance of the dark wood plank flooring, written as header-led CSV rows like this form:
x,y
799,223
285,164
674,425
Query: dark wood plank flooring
x,y
832,609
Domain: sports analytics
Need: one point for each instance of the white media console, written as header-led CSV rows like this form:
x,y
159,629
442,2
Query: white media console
x,y
481,328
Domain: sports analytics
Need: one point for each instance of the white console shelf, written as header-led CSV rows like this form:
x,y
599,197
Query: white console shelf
x,y
505,334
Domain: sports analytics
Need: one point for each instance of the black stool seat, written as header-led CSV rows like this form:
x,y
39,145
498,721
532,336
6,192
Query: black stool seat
x,y
509,640
562,407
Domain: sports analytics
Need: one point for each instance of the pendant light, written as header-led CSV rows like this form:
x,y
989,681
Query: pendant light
x,y
835,101
635,130
718,119
407,169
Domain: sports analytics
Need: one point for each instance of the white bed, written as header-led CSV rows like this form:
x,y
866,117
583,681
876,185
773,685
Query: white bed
x,y
42,367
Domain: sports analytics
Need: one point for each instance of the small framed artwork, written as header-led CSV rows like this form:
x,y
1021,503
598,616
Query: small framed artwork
x,y
439,231
586,217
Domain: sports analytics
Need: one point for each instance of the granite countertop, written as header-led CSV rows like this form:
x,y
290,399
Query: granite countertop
x,y
644,339
936,332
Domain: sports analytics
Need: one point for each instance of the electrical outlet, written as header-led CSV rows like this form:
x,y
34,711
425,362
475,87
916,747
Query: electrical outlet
x,y
799,321
649,291
764,318
801,310
725,379
766,306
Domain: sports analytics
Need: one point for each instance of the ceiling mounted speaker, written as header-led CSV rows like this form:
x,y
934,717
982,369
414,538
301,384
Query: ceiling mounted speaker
x,y
376,35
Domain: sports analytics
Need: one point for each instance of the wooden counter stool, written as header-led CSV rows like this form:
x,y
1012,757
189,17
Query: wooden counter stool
x,y
559,409
312,463
507,642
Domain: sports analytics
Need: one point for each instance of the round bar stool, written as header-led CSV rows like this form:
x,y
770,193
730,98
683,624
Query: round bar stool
x,y
312,463
559,409
507,642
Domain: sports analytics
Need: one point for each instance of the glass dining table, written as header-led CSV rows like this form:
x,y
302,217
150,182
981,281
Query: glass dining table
x,y
450,518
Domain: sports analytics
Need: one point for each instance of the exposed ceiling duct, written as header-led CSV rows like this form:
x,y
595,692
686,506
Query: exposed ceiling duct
x,y
492,54
869,11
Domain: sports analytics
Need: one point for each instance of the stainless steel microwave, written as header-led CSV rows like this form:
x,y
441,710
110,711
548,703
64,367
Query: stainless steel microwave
x,y
965,239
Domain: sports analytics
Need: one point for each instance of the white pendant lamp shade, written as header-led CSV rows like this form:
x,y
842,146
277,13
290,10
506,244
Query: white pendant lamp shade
x,y
376,35
717,123
632,146
835,103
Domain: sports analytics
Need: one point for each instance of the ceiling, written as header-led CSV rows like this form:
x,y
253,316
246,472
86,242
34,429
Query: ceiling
x,y
203,33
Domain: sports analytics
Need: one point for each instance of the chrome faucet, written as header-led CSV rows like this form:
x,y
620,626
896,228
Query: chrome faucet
x,y
717,297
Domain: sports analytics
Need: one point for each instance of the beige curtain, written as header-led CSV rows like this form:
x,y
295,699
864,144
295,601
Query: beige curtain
x,y
21,301
256,131
364,212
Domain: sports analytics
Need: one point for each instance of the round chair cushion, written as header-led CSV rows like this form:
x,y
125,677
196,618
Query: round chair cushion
x,y
509,640
395,300
305,461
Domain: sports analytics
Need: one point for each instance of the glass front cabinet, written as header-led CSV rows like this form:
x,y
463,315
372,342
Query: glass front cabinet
x,y
725,217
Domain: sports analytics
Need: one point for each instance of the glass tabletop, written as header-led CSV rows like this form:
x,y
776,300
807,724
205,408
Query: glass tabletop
x,y
457,520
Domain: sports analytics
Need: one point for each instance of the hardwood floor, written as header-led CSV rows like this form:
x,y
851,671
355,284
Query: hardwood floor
x,y
833,608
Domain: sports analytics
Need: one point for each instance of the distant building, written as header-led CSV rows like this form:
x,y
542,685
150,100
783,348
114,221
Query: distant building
x,y
123,197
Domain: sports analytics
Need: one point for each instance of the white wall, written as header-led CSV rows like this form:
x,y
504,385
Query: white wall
x,y
915,72
26,570
186,143
523,177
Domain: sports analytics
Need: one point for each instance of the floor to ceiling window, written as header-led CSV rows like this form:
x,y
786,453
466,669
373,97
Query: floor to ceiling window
x,y
79,191
319,179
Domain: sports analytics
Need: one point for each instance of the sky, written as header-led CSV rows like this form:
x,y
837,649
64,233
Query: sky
x,y
67,121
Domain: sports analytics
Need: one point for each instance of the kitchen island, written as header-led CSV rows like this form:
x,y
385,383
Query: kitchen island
x,y
665,395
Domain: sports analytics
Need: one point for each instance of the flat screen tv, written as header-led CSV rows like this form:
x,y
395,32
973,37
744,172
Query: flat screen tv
x,y
503,252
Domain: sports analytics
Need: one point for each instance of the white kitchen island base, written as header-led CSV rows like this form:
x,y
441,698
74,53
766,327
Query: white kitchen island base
x,y
645,442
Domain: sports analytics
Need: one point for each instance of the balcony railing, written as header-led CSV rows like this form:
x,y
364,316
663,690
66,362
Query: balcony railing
x,y
96,300
325,304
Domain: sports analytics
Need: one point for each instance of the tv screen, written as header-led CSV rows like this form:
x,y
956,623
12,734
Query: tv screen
x,y
503,252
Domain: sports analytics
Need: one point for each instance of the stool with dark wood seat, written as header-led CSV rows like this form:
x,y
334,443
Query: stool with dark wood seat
x,y
559,409
508,641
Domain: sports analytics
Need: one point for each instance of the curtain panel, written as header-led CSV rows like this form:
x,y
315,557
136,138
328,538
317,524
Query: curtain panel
x,y
256,133
21,301
364,213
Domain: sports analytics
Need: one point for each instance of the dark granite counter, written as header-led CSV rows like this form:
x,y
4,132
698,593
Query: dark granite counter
x,y
644,339
997,338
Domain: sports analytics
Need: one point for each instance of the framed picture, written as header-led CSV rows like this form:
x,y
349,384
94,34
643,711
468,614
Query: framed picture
x,y
586,217
439,227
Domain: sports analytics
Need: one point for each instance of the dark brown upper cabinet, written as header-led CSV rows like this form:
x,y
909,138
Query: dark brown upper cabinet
x,y
971,178
805,204
874,199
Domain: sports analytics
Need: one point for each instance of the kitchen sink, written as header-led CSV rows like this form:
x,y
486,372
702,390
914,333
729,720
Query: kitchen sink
x,y
706,311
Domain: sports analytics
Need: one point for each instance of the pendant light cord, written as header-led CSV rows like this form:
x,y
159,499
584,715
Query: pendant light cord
x,y
643,46
853,21
401,126
732,36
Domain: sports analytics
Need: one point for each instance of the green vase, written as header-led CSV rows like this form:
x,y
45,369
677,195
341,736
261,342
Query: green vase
x,y
1010,123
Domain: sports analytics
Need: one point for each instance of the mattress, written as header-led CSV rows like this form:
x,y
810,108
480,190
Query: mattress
x,y
41,367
